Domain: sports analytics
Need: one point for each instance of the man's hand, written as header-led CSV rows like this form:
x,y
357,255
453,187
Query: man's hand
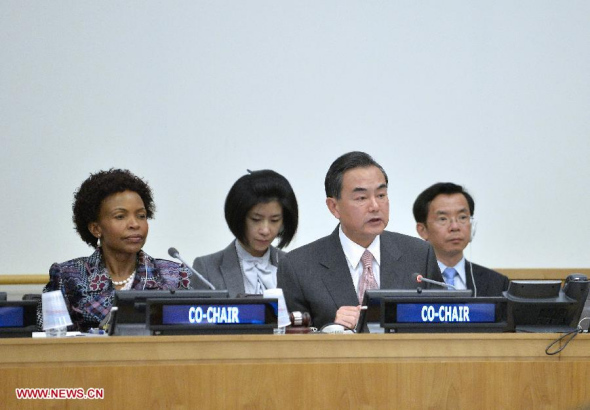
x,y
348,316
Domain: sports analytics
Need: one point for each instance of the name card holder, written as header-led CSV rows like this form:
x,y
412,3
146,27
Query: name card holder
x,y
444,315
211,316
18,318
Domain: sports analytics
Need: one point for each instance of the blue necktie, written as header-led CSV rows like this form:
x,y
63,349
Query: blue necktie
x,y
449,275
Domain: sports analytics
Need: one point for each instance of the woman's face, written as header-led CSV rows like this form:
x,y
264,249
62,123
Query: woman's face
x,y
122,223
263,223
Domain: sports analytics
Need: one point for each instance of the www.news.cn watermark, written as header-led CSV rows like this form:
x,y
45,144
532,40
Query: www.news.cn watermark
x,y
77,393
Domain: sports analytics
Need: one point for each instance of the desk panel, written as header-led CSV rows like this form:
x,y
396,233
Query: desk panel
x,y
436,371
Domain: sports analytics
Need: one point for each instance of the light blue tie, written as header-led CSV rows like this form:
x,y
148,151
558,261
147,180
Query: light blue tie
x,y
449,276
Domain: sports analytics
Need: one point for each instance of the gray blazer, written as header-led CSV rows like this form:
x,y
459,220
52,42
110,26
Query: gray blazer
x,y
315,278
223,270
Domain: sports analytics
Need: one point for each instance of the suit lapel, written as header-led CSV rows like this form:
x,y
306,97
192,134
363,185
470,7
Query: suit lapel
x,y
146,273
230,265
391,278
336,276
274,256
468,281
481,285
98,277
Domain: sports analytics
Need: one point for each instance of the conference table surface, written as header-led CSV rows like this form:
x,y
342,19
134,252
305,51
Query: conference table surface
x,y
314,371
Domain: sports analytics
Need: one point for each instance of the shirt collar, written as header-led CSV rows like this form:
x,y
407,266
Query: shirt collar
x,y
459,267
354,251
244,255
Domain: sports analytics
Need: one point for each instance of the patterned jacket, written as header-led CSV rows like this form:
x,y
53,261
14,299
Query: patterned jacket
x,y
89,292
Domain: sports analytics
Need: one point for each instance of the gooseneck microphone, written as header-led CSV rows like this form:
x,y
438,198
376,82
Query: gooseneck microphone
x,y
176,255
419,279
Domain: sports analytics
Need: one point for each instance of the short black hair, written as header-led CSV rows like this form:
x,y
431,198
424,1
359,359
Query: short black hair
x,y
96,188
261,187
422,203
346,162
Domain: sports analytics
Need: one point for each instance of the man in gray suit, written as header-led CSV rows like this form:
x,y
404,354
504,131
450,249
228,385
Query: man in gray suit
x,y
328,277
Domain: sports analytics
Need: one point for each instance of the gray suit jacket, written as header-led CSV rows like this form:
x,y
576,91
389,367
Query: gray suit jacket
x,y
223,270
315,278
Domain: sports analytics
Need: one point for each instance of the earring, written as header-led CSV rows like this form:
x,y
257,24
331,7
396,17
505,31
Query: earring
x,y
98,242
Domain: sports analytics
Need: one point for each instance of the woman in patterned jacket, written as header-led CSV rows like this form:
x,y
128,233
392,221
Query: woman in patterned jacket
x,y
111,212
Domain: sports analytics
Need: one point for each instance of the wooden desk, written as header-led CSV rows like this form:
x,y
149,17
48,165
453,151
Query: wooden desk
x,y
427,371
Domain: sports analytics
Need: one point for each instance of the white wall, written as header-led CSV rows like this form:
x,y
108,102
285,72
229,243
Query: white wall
x,y
492,95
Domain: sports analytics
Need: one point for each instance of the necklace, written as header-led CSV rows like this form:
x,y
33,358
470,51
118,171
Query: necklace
x,y
124,282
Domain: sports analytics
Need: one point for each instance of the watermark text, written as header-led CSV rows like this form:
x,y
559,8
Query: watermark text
x,y
76,393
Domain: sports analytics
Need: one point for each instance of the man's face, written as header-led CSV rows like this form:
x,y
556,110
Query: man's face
x,y
448,226
363,207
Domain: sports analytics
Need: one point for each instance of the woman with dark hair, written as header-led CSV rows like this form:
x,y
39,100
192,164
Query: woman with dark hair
x,y
259,207
111,212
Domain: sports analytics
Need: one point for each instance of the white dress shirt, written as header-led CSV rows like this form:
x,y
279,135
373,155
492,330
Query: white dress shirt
x,y
353,252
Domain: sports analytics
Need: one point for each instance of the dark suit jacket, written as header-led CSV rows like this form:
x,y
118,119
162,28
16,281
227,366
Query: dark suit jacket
x,y
489,282
315,278
223,270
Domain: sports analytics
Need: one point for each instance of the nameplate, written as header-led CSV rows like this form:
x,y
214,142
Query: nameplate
x,y
444,314
207,314
248,315
18,318
12,316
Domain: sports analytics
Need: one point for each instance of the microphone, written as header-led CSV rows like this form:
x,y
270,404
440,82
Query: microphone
x,y
419,278
173,252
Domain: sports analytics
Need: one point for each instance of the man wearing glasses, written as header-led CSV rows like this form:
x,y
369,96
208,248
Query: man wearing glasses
x,y
444,217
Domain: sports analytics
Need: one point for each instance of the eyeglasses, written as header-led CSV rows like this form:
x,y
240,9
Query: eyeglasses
x,y
444,221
